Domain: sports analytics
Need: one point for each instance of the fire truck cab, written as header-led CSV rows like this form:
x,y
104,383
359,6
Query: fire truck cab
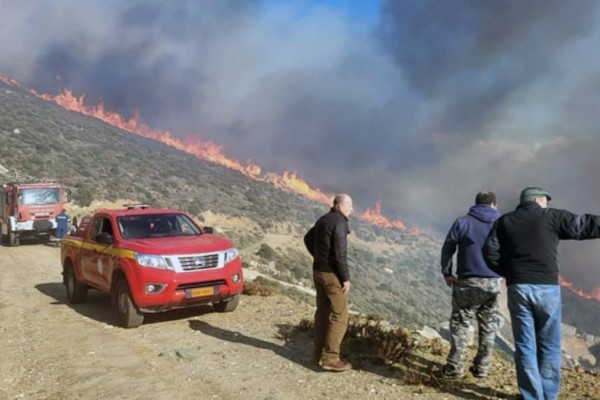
x,y
28,210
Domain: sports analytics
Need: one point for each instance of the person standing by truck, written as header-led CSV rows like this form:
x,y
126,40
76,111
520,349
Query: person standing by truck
x,y
62,222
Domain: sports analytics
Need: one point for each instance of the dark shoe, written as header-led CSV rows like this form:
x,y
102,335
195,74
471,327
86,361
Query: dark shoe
x,y
336,365
452,374
477,373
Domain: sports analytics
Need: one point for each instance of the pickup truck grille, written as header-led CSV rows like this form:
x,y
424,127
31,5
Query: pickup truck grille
x,y
200,284
205,261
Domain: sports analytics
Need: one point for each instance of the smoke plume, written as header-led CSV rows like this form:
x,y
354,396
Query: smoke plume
x,y
419,106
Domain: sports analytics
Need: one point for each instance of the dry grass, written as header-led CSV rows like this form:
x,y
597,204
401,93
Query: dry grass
x,y
255,288
403,354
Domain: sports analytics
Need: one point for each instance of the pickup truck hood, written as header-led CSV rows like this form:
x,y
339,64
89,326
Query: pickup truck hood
x,y
204,243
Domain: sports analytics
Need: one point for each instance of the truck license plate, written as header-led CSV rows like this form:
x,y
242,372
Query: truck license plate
x,y
201,292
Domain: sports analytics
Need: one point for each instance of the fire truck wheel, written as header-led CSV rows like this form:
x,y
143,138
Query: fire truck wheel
x,y
128,315
227,306
76,291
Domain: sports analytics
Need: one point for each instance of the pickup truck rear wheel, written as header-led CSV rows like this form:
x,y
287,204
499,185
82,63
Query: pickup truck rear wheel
x,y
76,291
128,315
227,306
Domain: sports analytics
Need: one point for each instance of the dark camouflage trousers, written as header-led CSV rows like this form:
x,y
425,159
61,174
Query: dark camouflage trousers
x,y
473,297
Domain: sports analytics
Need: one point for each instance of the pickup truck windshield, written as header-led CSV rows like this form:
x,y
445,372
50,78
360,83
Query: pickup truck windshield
x,y
156,225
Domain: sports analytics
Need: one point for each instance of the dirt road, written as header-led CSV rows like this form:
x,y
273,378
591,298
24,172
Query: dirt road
x,y
53,350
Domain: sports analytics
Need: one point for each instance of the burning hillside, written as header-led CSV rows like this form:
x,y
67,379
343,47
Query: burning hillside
x,y
287,180
594,295
208,151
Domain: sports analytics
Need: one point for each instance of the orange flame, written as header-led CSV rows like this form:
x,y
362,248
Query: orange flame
x,y
9,81
594,295
209,151
375,217
205,150
291,181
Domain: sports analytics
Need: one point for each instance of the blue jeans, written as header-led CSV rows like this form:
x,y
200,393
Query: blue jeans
x,y
535,312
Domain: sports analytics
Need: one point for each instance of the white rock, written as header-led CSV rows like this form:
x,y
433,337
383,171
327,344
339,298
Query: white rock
x,y
429,333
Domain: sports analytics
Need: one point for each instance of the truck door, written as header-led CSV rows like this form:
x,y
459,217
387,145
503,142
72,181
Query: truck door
x,y
96,258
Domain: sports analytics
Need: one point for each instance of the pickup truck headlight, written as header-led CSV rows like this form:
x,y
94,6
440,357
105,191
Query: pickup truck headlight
x,y
231,255
150,261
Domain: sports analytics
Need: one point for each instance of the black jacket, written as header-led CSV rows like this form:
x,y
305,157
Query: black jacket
x,y
523,244
326,242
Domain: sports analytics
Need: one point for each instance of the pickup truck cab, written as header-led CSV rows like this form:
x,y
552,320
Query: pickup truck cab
x,y
150,260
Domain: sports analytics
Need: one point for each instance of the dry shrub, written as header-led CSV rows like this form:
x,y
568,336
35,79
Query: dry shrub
x,y
376,338
438,347
286,332
373,337
253,288
375,317
305,325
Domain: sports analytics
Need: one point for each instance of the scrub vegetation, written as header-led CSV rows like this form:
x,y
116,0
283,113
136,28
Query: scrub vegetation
x,y
397,278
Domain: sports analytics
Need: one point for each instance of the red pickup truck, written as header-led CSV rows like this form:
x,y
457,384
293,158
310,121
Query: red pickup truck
x,y
150,260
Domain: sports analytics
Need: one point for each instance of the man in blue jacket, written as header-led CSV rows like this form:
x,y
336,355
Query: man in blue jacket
x,y
475,287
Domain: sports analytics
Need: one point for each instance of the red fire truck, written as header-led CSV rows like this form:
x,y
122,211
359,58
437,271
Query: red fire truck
x,y
29,210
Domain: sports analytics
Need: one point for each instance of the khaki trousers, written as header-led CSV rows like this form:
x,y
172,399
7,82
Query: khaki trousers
x,y
331,317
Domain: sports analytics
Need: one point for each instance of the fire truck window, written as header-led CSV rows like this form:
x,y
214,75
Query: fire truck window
x,y
39,196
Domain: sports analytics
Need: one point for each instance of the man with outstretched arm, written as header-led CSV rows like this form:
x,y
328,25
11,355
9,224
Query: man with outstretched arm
x,y
523,247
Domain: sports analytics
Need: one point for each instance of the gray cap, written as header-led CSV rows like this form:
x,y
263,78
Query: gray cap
x,y
534,192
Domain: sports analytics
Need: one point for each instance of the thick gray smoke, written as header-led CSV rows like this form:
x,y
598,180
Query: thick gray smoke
x,y
421,108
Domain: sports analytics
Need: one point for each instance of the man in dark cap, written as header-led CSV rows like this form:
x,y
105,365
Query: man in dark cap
x,y
523,247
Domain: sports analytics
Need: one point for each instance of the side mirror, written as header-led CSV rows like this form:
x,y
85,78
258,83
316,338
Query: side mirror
x,y
67,194
104,238
208,229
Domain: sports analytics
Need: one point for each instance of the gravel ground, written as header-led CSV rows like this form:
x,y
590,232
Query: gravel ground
x,y
53,350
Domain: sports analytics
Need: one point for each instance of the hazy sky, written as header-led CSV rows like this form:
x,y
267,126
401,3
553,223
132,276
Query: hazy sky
x,y
419,104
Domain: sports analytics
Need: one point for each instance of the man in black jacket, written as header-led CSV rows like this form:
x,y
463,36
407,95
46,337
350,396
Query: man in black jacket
x,y
326,242
523,247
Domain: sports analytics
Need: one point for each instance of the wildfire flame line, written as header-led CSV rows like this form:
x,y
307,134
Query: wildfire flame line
x,y
212,152
209,151
594,295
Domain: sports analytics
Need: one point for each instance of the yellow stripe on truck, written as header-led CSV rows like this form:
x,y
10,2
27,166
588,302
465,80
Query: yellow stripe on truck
x,y
124,253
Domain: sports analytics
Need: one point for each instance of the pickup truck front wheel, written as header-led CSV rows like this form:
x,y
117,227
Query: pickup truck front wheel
x,y
128,315
227,306
76,291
